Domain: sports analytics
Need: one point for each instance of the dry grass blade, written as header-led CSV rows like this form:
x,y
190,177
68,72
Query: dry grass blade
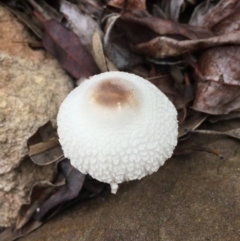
x,y
26,18
46,10
98,53
43,146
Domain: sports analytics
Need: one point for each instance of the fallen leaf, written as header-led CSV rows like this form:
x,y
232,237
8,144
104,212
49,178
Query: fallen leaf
x,y
166,84
98,53
94,8
46,10
162,47
10,234
116,46
223,9
137,5
200,12
103,63
66,47
218,93
110,65
74,183
166,27
39,193
172,8
82,24
48,199
228,25
230,116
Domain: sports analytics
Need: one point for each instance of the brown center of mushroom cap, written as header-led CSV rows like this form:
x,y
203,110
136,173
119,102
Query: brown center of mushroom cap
x,y
113,94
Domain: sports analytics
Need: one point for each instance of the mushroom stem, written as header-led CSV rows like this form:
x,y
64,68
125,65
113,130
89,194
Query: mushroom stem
x,y
114,188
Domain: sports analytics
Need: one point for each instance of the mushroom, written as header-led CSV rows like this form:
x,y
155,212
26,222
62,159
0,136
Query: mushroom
x,y
117,127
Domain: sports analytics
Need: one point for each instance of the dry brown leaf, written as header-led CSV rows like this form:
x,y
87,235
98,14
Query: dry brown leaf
x,y
166,27
93,8
110,65
223,9
138,5
10,234
218,94
166,84
162,47
39,193
46,10
230,116
64,45
116,45
228,25
200,12
172,8
82,24
98,53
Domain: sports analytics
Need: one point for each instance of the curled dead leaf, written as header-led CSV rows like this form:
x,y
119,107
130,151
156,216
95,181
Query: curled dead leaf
x,y
39,193
162,47
74,183
116,46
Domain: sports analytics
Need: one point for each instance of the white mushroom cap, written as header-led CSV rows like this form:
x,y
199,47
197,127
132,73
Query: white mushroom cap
x,y
117,127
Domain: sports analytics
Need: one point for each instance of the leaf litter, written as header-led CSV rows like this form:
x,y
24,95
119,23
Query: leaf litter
x,y
190,55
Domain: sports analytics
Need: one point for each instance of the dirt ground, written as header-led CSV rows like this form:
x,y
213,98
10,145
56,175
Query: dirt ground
x,y
192,197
